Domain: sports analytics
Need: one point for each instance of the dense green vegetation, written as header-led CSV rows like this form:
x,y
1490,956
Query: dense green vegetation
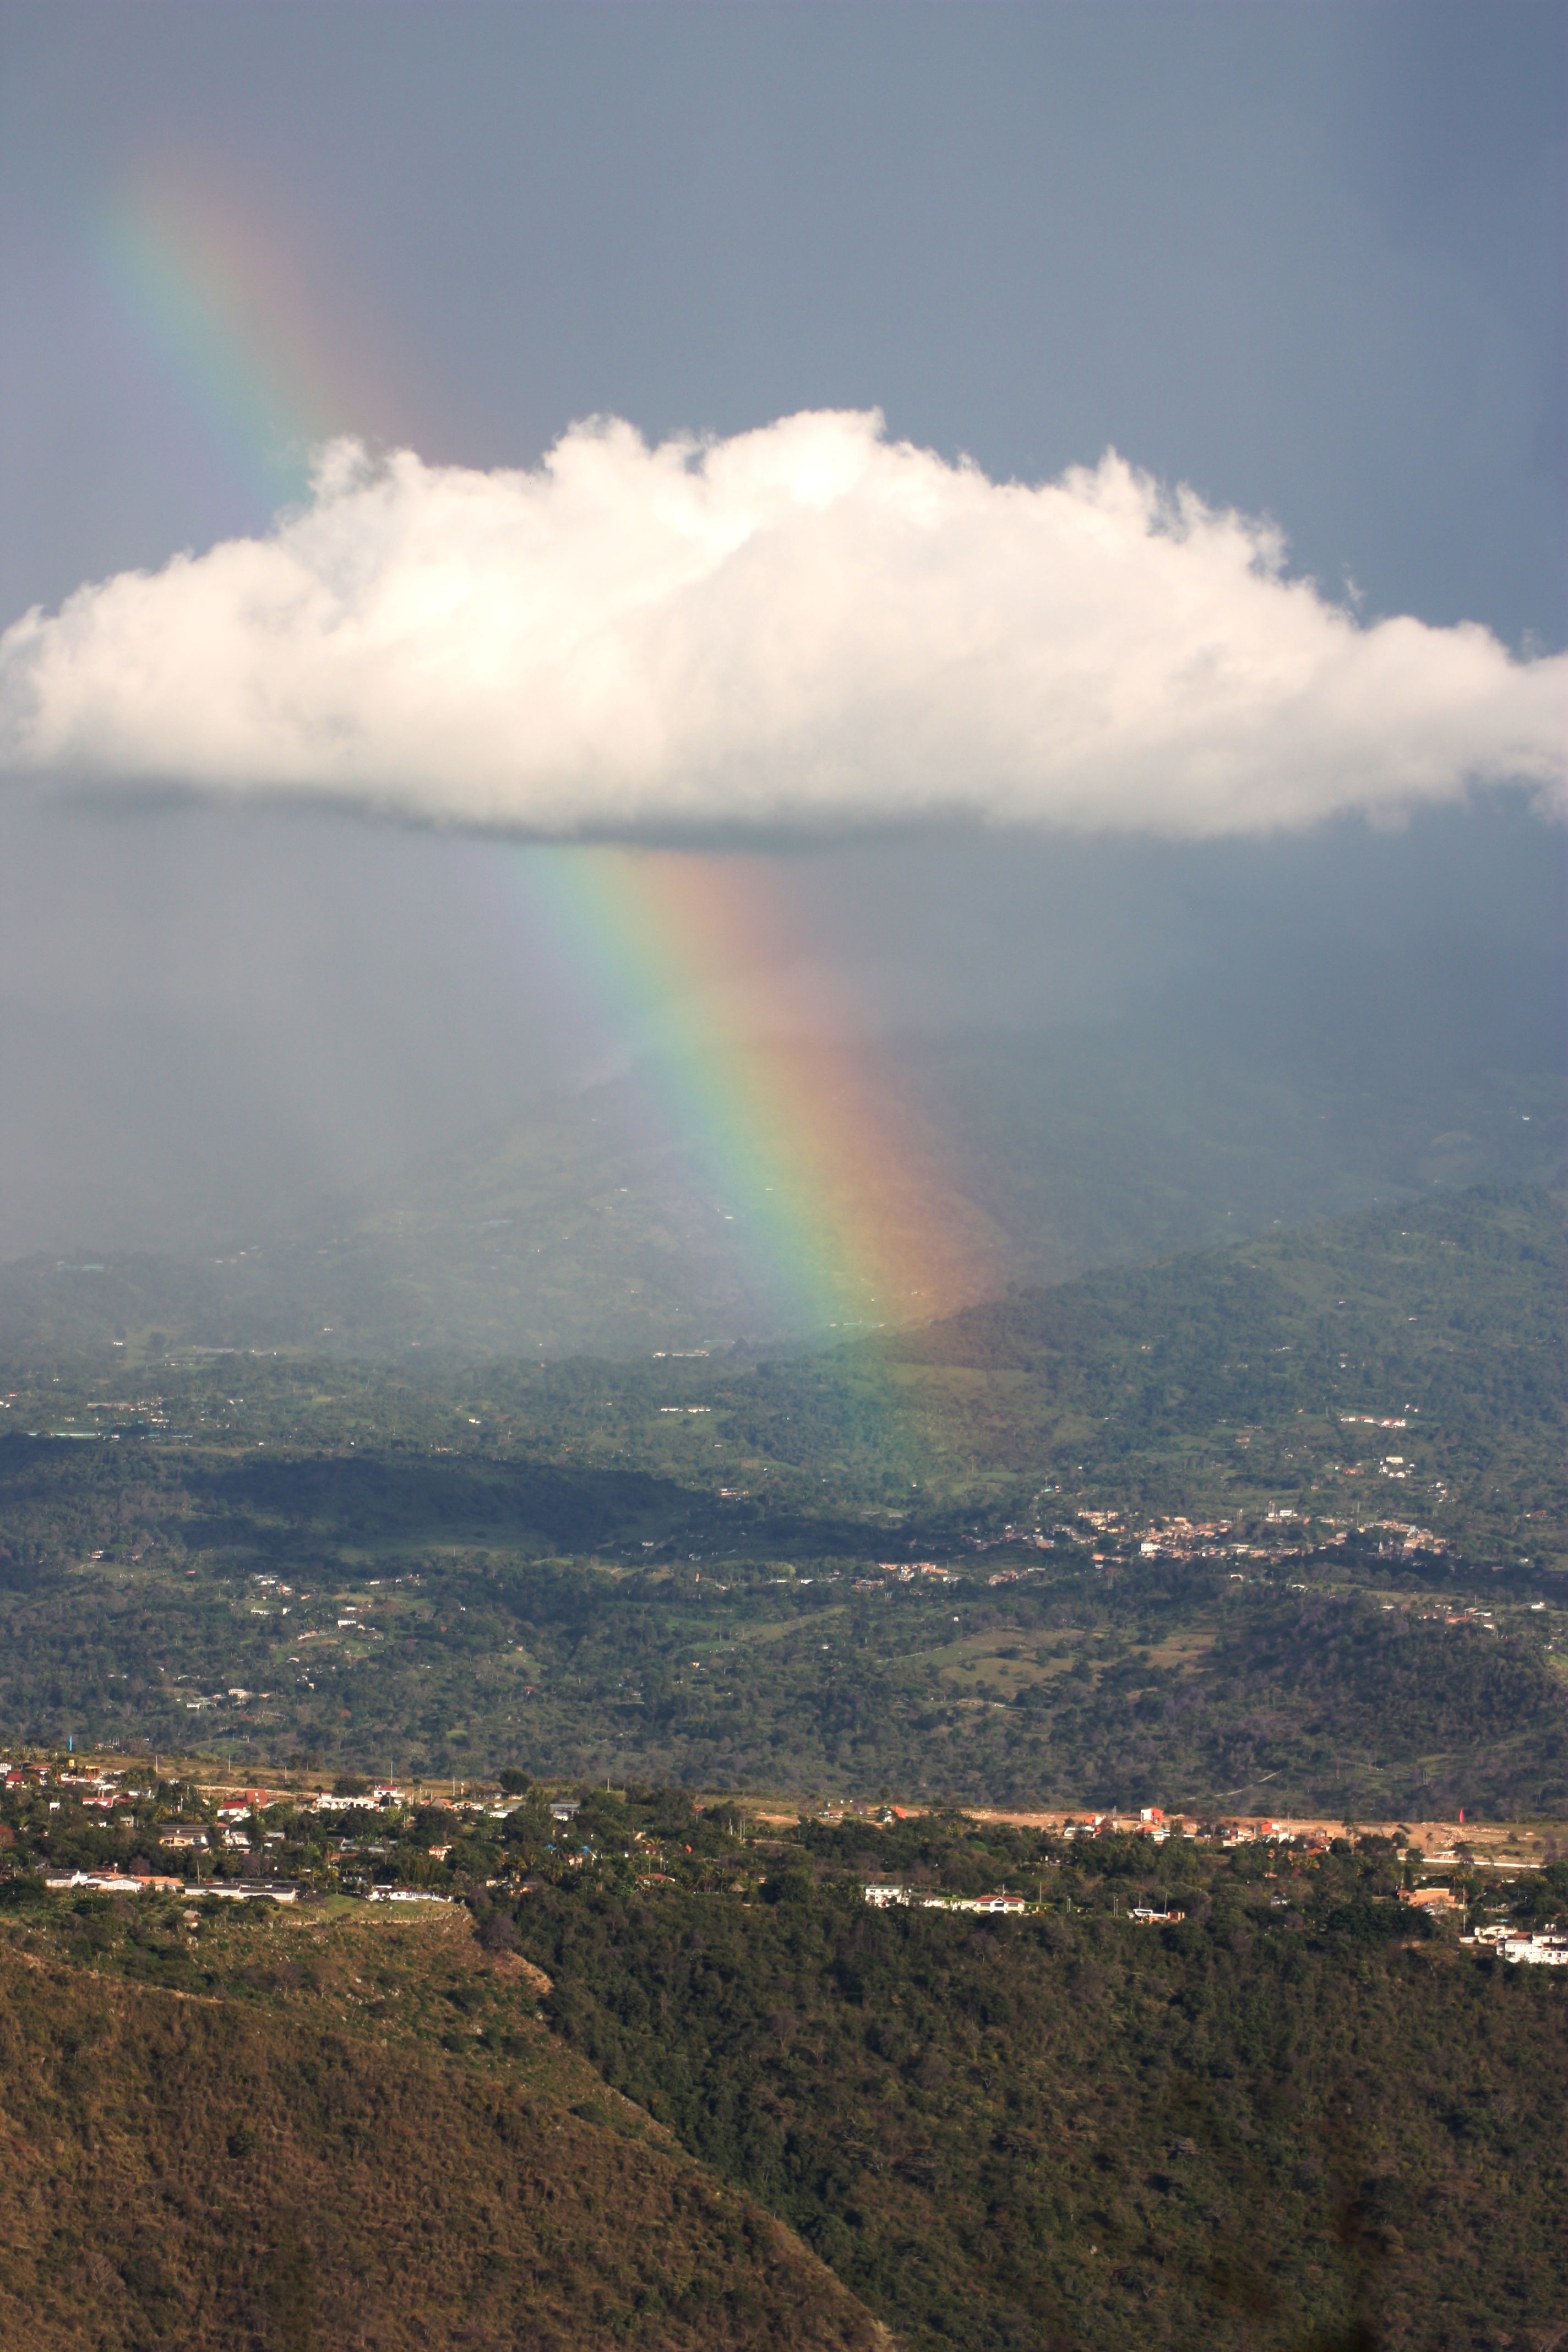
x,y
676,1570
304,2134
1352,1693
1447,1320
1279,2123
1297,2114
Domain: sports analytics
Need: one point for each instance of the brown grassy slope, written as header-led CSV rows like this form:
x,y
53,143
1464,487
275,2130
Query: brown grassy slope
x,y
200,2175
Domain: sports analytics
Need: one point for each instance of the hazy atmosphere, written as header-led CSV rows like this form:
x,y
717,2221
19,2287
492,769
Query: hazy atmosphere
x,y
784,1129
1036,530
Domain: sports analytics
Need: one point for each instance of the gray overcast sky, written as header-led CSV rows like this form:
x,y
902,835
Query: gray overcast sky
x,y
1307,258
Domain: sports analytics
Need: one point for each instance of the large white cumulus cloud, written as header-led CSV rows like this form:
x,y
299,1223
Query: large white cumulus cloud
x,y
807,625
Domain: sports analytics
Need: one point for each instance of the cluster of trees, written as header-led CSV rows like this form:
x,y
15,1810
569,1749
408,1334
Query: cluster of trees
x,y
456,1847
1273,2122
1337,1686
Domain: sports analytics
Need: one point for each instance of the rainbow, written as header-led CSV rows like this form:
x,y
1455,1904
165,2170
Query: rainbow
x,y
841,1198
216,304
844,1196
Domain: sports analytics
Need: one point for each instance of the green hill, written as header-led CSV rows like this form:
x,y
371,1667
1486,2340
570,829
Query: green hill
x,y
679,2070
295,2170
1267,2129
1290,1516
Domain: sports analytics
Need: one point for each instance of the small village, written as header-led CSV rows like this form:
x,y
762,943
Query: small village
x,y
382,1842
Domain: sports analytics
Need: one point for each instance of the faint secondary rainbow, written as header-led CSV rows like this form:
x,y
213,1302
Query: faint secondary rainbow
x,y
214,301
839,1196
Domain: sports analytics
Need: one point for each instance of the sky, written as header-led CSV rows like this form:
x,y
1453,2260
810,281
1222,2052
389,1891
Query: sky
x,y
1083,476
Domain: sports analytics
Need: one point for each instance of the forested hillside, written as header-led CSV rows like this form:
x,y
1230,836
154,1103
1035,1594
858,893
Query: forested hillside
x,y
253,2135
1081,2132
1252,2098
